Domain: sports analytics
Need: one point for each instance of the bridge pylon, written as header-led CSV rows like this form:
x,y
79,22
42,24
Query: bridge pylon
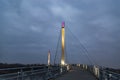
x,y
49,58
63,44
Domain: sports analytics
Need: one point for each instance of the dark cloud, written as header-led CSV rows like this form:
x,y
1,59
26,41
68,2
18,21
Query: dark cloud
x,y
29,28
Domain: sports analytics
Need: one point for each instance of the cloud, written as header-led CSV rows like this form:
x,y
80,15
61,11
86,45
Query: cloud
x,y
36,29
65,11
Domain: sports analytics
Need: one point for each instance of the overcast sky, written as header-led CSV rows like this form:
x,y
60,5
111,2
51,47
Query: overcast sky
x,y
29,28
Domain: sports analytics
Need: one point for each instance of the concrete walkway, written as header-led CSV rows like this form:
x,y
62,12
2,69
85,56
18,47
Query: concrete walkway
x,y
77,74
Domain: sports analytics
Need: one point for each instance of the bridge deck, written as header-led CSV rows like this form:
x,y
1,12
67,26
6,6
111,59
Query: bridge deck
x,y
77,74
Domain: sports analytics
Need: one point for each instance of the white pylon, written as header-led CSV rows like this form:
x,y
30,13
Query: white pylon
x,y
48,57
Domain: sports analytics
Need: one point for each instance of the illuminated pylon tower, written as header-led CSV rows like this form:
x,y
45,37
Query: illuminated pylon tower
x,y
63,44
49,58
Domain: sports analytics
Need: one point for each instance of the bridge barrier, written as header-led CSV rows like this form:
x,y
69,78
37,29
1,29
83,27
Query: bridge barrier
x,y
48,72
21,73
101,73
31,73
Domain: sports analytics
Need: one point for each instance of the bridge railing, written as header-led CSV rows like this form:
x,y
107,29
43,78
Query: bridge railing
x,y
21,72
31,73
100,73
106,74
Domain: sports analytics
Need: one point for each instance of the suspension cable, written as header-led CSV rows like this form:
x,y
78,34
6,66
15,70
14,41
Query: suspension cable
x,y
83,47
57,47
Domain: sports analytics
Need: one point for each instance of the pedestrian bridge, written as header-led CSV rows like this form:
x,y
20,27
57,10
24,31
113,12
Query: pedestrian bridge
x,y
67,72
62,71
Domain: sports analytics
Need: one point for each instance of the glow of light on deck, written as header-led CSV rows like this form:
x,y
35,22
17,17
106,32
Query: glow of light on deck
x,y
62,62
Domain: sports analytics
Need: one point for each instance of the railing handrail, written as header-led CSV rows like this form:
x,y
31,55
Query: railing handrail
x,y
30,71
17,68
111,72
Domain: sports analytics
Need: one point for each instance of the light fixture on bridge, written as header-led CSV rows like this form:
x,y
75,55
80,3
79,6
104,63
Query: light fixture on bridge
x,y
62,62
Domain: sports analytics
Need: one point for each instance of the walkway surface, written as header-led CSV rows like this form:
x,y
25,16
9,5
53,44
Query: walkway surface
x,y
77,74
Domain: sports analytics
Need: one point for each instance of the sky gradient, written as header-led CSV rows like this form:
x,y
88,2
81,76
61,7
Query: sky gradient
x,y
29,28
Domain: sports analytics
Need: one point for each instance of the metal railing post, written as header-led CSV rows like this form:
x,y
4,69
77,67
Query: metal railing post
x,y
110,76
100,74
21,71
18,75
31,73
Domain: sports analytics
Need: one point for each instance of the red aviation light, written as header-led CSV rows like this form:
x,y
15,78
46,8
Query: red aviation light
x,y
63,24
